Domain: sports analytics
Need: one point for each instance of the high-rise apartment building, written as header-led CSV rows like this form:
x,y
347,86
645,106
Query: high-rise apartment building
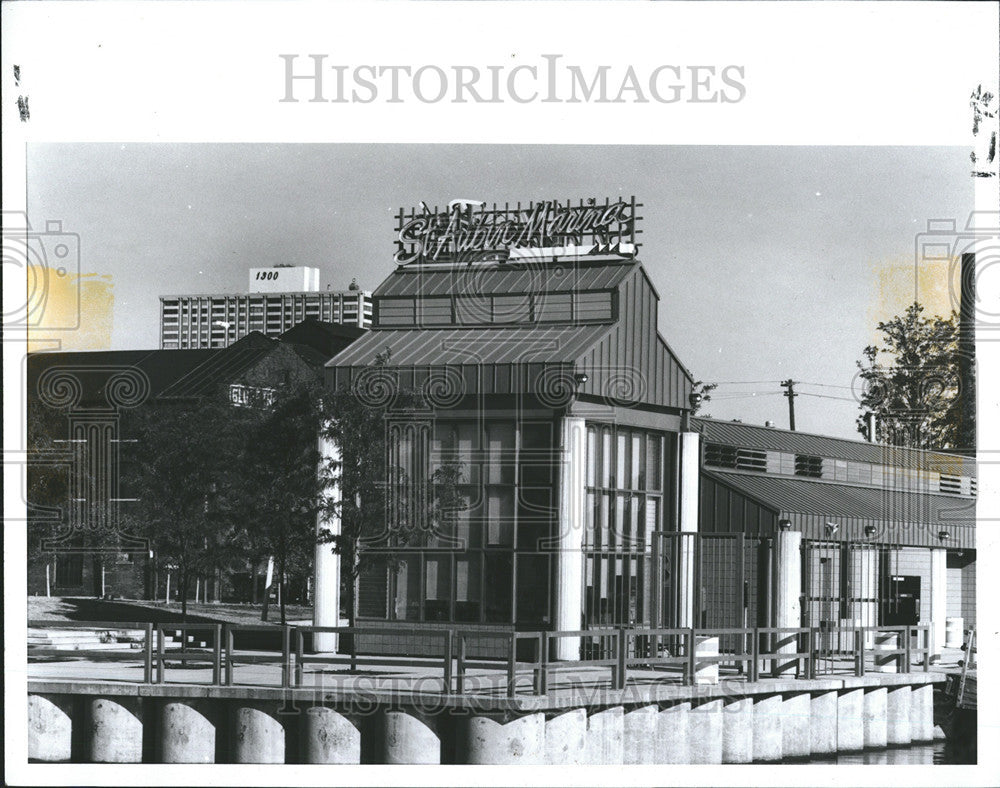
x,y
277,299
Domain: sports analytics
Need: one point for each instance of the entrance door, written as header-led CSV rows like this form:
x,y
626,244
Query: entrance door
x,y
902,604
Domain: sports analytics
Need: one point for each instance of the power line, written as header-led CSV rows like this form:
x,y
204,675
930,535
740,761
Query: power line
x,y
824,385
827,396
742,382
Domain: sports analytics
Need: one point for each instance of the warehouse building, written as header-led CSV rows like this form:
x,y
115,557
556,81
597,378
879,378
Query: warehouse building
x,y
591,497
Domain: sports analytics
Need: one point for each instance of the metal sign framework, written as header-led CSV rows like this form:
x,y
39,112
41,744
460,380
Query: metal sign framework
x,y
469,231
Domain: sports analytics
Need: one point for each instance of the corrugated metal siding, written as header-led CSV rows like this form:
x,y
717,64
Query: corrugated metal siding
x,y
754,437
811,504
726,509
519,277
633,363
455,346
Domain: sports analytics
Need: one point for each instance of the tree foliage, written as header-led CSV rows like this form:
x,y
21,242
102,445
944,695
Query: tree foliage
x,y
382,506
702,392
282,487
184,470
911,382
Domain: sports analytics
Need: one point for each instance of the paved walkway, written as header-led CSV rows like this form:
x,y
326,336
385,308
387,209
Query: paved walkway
x,y
378,675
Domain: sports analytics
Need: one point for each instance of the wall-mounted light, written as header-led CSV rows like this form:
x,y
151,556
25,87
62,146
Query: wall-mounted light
x,y
870,531
694,398
831,528
581,378
784,525
943,535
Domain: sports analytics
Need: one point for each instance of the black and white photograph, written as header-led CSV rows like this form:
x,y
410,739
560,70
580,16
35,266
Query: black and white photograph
x,y
617,453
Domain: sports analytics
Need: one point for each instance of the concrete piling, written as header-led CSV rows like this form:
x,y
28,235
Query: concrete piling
x,y
922,713
187,732
329,737
767,729
773,722
874,711
410,737
898,713
796,725
50,727
640,735
823,711
494,739
705,732
115,730
673,743
258,733
850,720
737,730
605,737
566,737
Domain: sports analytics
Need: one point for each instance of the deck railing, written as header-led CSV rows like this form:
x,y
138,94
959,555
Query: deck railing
x,y
650,654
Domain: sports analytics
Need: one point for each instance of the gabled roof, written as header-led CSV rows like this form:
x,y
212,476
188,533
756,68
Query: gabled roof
x,y
621,360
752,436
326,338
95,368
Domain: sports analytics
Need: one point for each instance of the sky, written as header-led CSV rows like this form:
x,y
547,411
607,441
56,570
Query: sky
x,y
770,262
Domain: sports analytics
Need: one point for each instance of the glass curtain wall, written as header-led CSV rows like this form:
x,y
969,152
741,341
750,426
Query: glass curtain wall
x,y
494,547
625,500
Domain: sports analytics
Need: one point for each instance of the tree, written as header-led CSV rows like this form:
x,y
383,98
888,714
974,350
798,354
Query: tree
x,y
379,504
701,394
281,491
183,469
911,382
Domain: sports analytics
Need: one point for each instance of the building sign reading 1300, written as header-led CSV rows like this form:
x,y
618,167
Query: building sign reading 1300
x,y
468,231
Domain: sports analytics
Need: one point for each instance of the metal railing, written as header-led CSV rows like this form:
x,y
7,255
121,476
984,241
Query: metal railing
x,y
650,654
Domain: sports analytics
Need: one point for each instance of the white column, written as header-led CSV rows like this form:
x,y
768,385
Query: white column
x,y
939,599
863,575
572,520
788,587
326,570
688,487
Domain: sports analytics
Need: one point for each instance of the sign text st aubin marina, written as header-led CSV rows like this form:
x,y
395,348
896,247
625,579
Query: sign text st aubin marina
x,y
469,231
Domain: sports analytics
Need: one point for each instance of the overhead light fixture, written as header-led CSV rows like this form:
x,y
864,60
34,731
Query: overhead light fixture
x,y
870,531
784,525
581,378
943,535
831,528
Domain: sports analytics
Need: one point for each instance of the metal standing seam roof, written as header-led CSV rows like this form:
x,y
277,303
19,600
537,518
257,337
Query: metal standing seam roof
x,y
507,278
832,499
438,347
751,436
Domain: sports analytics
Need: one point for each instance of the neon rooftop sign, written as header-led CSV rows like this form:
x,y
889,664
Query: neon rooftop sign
x,y
468,231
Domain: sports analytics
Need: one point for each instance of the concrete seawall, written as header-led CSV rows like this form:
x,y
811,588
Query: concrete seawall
x,y
85,721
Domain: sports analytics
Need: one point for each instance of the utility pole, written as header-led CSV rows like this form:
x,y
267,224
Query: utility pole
x,y
789,386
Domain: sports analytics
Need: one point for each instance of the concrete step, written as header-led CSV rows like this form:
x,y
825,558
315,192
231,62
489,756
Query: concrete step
x,y
77,640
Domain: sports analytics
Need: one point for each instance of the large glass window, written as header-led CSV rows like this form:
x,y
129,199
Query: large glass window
x,y
494,541
624,507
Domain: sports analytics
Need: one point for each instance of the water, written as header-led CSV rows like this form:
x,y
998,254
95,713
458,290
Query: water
x,y
939,752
